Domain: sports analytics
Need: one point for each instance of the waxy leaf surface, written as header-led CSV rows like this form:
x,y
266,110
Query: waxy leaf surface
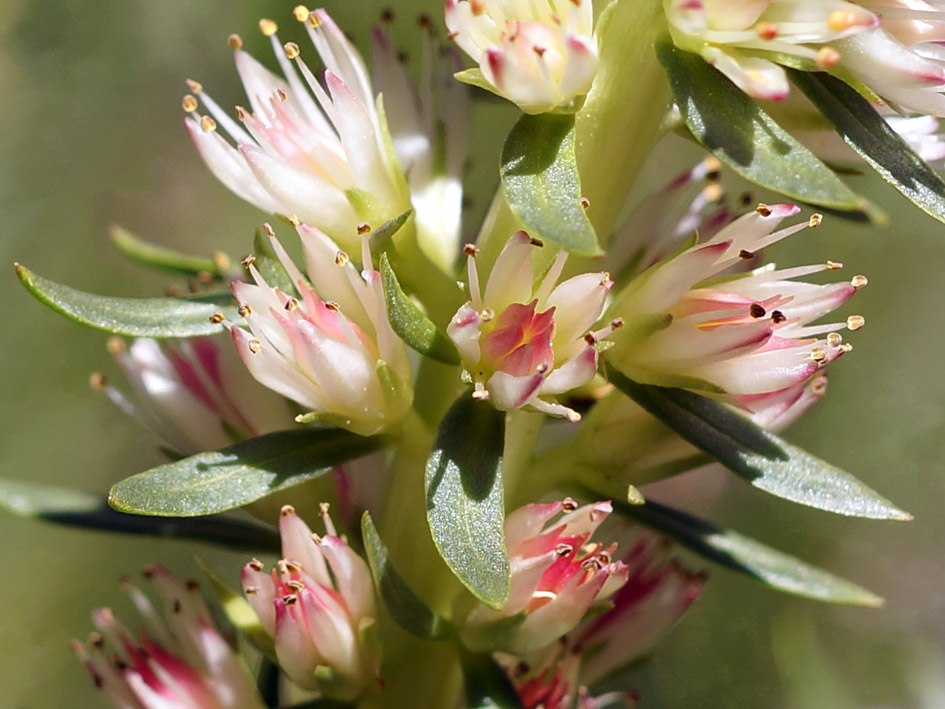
x,y
161,257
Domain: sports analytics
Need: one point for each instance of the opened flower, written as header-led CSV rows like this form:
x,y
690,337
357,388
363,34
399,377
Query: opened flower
x,y
521,343
318,606
692,321
179,661
540,55
557,574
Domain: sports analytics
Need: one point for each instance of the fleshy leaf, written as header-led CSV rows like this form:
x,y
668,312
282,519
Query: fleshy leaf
x,y
215,481
883,149
542,185
487,685
404,605
765,460
465,505
269,266
747,556
728,123
161,257
134,317
409,322
385,231
76,508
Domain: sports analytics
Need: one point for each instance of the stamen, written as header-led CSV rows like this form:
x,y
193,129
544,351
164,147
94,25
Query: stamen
x,y
834,266
194,86
291,50
767,30
268,27
855,322
756,310
815,220
858,281
255,346
217,318
746,255
235,41
828,57
207,124
341,258
763,209
244,310
834,339
189,103
364,228
585,202
569,504
777,317
301,13
248,261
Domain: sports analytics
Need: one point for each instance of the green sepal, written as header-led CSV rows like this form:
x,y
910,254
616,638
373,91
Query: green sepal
x,y
166,259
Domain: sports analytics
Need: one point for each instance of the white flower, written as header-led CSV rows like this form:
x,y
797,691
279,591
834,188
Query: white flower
x,y
540,55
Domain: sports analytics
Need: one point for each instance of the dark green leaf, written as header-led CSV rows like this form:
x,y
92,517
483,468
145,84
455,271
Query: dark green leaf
x,y
741,135
747,556
135,317
215,481
487,685
386,230
542,185
409,322
164,258
404,605
75,508
465,506
883,149
766,461
269,266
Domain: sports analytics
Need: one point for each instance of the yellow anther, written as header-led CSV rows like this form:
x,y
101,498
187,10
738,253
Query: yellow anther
x,y
291,50
815,220
341,258
301,13
834,339
834,265
268,27
189,103
859,281
763,209
855,322
208,124
255,346
235,41
194,86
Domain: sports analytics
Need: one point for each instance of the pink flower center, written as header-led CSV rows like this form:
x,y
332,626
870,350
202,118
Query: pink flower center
x,y
520,344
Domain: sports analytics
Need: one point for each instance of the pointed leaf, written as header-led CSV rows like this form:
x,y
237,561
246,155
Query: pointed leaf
x,y
76,508
161,257
269,266
766,461
465,506
234,476
741,135
411,325
487,685
134,317
747,556
404,605
542,185
385,231
883,149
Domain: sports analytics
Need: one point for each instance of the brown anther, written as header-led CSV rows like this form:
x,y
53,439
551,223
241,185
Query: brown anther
x,y
521,669
291,50
195,86
244,310
268,27
564,550
295,585
177,607
248,261
255,346
96,640
756,310
834,265
542,368
189,103
217,318
301,13
767,30
590,339
536,242
207,124
315,537
235,41
486,314
291,599
605,557
540,51
818,385
834,339
256,565
470,250
478,7
402,57
858,281
240,113
616,323
292,566
281,93
845,347
173,291
819,355
291,304
293,219
115,345
746,255
251,590
585,202
387,15
332,306
364,228
745,198
855,322
777,317
98,381
763,209
828,57
287,510
314,20
192,586
323,508
424,22
568,504
341,258
815,220
452,35
591,562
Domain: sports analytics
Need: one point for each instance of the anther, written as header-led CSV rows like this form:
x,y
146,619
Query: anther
x,y
255,346
268,27
828,57
300,13
845,347
590,339
480,395
605,557
841,20
767,30
777,317
470,250
194,86
240,113
314,20
585,202
756,310
815,220
387,15
208,124
834,339
364,228
115,345
281,93
819,355
746,255
855,322
763,209
251,590
270,232
291,304
256,565
235,41
341,258
296,585
244,310
294,219
818,385
192,586
292,566
291,599
189,103
486,314
591,562
287,510
248,261
217,318
291,50
834,265
332,306
858,281
176,607
542,368
98,381
568,504
540,51
536,242
714,192
424,22
564,549
616,323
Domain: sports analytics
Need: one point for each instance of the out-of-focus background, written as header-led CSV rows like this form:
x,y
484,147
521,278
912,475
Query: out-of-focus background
x,y
91,134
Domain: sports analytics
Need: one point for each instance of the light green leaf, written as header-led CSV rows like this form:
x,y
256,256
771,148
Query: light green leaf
x,y
542,185
766,461
474,77
215,481
378,237
134,317
741,135
465,506
269,266
868,133
167,259
411,325
747,556
404,605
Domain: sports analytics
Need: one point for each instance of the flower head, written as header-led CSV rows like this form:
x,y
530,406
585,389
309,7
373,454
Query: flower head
x,y
177,662
557,574
540,55
690,320
318,606
332,348
521,342
194,393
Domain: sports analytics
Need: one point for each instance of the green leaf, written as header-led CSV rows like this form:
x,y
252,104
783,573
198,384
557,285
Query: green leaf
x,y
76,508
409,322
766,461
465,506
269,266
161,257
883,149
747,556
378,237
474,77
542,185
134,317
234,476
487,685
741,135
404,605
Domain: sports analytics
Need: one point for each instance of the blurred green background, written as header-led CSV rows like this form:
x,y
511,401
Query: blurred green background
x,y
90,135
